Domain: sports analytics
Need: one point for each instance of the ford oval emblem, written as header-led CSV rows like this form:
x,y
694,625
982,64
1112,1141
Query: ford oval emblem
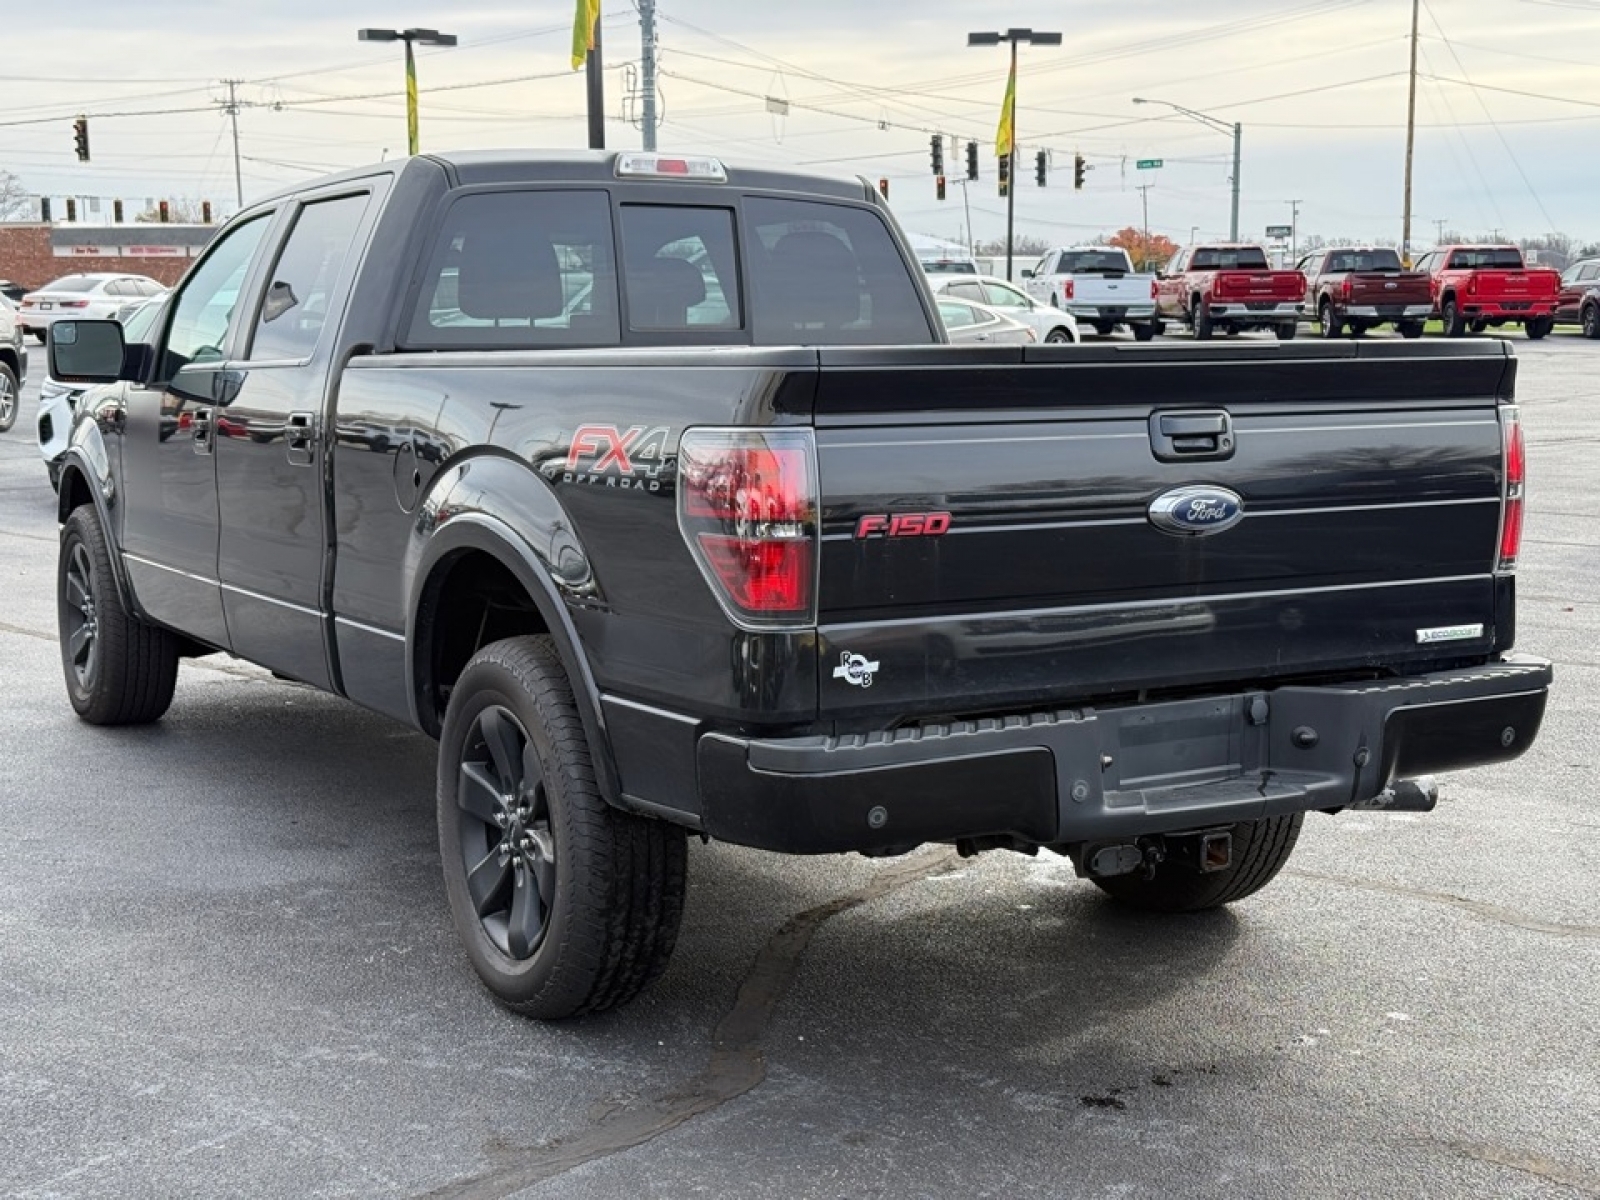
x,y
1196,511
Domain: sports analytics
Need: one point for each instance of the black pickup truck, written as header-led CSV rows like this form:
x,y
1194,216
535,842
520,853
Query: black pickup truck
x,y
648,487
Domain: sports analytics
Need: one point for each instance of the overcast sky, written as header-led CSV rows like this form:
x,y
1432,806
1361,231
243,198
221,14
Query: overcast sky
x,y
1508,109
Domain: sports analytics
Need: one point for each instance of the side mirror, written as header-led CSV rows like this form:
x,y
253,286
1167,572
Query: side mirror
x,y
85,351
1027,272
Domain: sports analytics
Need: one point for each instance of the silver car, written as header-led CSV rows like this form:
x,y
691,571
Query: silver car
x,y
83,297
969,322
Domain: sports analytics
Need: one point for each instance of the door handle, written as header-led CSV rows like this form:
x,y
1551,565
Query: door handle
x,y
200,424
297,437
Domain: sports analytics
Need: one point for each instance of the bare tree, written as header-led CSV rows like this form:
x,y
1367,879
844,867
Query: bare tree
x,y
15,202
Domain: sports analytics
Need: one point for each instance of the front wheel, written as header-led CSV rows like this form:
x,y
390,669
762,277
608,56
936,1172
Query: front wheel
x,y
1060,335
1260,849
1538,327
8,397
565,905
119,669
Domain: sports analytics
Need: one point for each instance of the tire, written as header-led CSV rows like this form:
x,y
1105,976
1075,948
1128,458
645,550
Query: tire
x,y
1202,322
580,913
1331,328
1410,329
1450,315
10,397
1478,326
1145,333
1538,327
1286,330
1591,320
1260,849
119,669
1060,335
1105,328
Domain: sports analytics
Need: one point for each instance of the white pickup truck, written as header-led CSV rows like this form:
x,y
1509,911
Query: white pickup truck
x,y
1098,286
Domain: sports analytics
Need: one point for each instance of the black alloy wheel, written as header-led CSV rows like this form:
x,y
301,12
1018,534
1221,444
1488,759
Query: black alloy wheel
x,y
508,849
80,620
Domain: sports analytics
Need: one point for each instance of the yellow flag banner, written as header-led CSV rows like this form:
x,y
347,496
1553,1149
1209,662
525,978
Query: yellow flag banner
x,y
583,23
1008,107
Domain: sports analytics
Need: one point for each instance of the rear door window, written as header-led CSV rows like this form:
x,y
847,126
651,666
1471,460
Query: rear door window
x,y
520,269
301,292
828,274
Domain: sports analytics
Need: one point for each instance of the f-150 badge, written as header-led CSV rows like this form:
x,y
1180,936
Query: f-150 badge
x,y
1196,511
856,669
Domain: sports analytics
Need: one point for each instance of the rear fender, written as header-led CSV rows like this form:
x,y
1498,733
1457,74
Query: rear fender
x,y
498,506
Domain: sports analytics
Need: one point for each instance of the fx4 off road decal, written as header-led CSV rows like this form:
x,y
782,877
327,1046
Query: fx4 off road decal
x,y
611,456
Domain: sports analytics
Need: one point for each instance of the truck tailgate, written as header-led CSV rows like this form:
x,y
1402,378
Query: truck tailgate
x,y
1258,286
1376,287
1367,478
1513,285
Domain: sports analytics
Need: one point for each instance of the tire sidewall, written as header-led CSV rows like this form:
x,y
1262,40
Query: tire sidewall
x,y
8,419
83,529
485,684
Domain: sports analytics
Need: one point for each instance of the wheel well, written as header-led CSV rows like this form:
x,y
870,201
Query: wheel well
x,y
74,493
9,357
471,599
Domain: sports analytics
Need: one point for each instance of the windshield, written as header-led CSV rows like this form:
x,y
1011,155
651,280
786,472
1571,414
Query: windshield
x,y
950,266
1082,262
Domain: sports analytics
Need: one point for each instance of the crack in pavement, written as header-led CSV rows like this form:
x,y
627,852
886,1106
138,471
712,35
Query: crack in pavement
x,y
1489,912
737,1065
23,631
1528,1164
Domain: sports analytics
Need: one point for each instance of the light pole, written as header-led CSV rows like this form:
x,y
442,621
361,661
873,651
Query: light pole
x,y
1222,126
423,37
1008,118
1294,229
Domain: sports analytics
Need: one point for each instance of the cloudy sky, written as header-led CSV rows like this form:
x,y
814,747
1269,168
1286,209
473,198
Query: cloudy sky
x,y
1508,107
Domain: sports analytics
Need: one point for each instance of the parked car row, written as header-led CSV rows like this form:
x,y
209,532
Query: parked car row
x,y
83,297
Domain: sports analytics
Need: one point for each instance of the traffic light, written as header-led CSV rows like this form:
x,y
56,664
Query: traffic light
x,y
937,146
72,209
116,211
1005,174
883,188
1039,160
1077,172
205,212
938,186
166,213
80,138
972,160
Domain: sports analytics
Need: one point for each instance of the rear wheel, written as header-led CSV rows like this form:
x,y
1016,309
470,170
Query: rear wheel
x,y
1591,320
1410,329
1450,316
1478,326
1260,849
565,905
1538,327
1202,321
8,397
119,670
1331,326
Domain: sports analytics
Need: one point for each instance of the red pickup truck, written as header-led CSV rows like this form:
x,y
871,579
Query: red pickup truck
x,y
1232,288
1475,287
1363,287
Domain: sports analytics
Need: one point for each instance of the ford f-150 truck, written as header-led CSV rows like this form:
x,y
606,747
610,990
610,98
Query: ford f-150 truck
x,y
1098,286
1475,287
1363,287
1230,288
648,487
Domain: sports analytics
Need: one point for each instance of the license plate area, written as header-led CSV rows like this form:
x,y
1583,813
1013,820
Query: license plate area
x,y
1179,745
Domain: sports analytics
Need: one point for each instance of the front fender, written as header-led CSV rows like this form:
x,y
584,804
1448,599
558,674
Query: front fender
x,y
87,469
496,505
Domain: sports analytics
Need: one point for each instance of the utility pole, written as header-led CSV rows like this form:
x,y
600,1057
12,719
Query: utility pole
x,y
1144,249
1439,226
1411,137
647,34
1294,229
596,81
231,107
966,202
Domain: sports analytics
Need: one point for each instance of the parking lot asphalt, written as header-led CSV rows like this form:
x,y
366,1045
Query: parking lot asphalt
x,y
226,967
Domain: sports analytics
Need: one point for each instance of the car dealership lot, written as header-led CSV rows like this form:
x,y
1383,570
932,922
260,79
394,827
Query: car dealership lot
x,y
226,967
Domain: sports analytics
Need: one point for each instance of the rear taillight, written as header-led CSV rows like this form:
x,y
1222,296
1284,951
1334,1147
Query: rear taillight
x,y
747,506
1513,482
1345,288
1067,289
72,304
1155,292
1472,285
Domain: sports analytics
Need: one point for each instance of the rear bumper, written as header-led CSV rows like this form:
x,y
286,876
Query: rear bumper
x,y
1230,310
1113,312
1079,775
1510,310
1390,312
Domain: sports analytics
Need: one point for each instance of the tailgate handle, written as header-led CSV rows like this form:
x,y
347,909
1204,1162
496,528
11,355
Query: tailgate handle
x,y
1182,437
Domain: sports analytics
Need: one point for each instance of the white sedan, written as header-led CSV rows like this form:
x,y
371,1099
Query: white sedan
x,y
1049,324
969,322
83,297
